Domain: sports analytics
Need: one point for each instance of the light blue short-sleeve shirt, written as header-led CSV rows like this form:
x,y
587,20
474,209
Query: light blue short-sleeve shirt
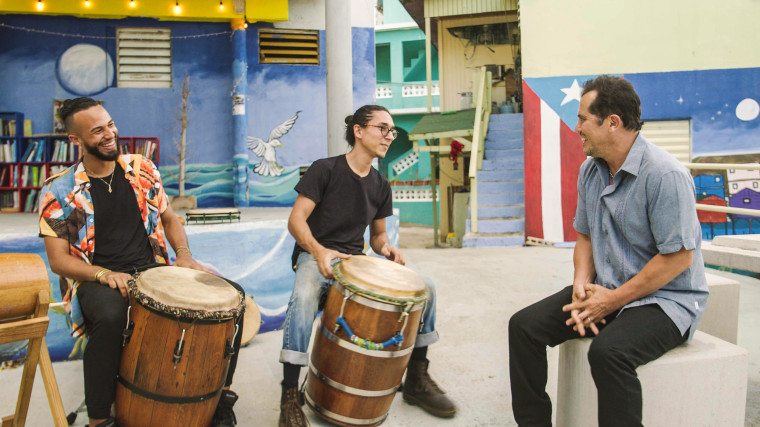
x,y
648,210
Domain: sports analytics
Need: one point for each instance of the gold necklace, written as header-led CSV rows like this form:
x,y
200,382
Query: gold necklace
x,y
113,172
104,181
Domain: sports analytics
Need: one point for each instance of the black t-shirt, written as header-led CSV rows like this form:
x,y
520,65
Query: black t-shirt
x,y
121,242
345,204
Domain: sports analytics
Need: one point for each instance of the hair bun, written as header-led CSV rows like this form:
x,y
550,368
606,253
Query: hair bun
x,y
349,119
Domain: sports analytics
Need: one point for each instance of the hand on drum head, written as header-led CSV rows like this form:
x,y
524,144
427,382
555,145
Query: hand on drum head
x,y
324,261
188,261
393,254
116,280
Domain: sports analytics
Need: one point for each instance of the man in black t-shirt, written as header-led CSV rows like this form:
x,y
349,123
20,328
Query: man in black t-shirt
x,y
103,218
338,198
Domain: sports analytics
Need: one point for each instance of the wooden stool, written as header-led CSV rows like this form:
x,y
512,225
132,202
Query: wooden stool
x,y
24,299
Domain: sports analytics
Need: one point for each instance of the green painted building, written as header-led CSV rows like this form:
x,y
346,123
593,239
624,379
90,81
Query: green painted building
x,y
401,87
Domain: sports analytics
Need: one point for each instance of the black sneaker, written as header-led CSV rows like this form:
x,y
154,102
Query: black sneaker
x,y
224,415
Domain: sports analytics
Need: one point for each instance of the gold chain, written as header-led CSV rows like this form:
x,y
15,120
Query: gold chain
x,y
113,172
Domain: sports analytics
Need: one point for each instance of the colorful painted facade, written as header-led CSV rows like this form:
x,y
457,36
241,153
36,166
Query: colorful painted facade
x,y
679,72
43,58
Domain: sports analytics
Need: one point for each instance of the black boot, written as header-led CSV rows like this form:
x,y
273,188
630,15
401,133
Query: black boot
x,y
109,422
420,389
291,414
224,415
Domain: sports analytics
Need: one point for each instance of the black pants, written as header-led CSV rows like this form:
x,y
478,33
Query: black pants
x,y
105,316
637,336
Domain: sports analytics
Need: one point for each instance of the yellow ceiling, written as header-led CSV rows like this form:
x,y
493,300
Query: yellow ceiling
x,y
180,10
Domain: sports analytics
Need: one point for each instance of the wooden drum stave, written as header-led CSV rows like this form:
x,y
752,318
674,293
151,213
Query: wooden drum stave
x,y
351,380
174,363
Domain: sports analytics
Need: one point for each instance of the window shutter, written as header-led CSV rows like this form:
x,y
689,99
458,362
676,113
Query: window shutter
x,y
144,57
288,46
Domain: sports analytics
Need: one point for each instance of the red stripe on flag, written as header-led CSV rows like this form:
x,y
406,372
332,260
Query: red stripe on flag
x,y
534,226
571,155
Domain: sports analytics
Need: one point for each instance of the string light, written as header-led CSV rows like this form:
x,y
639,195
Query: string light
x,y
177,8
40,5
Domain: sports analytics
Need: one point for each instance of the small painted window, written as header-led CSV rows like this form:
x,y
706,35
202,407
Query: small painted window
x,y
144,57
735,186
717,179
288,46
754,184
746,200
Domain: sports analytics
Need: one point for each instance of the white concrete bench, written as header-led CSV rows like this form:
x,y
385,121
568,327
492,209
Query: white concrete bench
x,y
721,316
702,383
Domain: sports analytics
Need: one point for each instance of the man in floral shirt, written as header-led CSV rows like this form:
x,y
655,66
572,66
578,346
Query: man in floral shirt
x,y
123,196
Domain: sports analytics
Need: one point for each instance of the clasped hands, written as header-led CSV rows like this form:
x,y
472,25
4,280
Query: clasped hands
x,y
590,305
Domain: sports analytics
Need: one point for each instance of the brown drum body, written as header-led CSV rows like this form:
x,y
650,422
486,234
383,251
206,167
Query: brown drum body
x,y
350,385
152,390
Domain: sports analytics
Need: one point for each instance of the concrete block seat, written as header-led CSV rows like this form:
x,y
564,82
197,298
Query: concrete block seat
x,y
700,383
213,215
721,316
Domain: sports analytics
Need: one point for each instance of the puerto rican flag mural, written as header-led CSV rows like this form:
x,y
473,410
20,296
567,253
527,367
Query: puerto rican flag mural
x,y
723,107
553,155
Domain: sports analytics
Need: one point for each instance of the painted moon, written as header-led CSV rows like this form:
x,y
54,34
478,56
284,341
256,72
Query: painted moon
x,y
85,69
748,109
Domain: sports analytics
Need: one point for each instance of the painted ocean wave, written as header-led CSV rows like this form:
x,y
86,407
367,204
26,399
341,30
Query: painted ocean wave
x,y
212,185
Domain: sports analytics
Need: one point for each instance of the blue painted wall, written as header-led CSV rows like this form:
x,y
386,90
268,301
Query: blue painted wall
x,y
31,46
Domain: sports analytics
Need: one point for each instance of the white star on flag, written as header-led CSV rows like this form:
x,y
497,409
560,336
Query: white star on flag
x,y
572,93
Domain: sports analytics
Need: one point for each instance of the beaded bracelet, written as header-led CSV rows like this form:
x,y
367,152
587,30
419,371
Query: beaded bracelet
x,y
101,273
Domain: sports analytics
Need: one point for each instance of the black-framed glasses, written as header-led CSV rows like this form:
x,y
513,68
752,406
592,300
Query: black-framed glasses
x,y
384,130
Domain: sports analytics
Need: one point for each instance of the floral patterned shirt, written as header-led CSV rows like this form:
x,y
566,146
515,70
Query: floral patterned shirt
x,y
66,212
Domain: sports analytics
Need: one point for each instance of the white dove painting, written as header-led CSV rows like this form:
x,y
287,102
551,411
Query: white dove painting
x,y
266,149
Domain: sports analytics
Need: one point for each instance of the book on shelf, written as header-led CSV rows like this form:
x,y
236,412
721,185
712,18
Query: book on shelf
x,y
9,151
31,201
3,173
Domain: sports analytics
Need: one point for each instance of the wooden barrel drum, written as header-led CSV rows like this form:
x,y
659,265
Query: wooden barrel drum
x,y
174,364
353,376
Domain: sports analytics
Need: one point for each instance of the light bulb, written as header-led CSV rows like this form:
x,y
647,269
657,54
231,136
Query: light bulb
x,y
132,3
40,5
245,25
86,3
177,8
221,5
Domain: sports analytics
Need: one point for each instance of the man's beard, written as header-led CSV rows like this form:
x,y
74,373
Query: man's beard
x,y
95,151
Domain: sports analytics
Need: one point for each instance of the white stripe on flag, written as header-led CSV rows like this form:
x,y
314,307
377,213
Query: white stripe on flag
x,y
551,181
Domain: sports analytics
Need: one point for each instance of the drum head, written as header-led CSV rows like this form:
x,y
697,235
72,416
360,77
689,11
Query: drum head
x,y
251,321
380,277
188,289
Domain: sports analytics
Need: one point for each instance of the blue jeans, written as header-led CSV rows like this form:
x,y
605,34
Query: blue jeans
x,y
303,306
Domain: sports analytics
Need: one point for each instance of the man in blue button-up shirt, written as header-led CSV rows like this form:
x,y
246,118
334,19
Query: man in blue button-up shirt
x,y
639,282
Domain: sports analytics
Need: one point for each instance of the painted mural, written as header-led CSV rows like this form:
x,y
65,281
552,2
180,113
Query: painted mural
x,y
722,106
48,57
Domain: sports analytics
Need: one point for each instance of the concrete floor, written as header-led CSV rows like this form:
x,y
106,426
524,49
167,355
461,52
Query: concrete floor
x,y
478,290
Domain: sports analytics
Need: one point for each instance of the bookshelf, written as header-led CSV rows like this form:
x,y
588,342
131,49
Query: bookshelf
x,y
32,159
11,131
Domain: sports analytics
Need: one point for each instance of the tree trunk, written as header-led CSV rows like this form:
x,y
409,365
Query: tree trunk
x,y
183,139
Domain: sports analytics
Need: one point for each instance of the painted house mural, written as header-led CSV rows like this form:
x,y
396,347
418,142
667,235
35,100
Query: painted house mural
x,y
45,58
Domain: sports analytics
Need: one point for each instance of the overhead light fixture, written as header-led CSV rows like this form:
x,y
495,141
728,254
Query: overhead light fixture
x,y
132,3
86,3
40,5
221,5
177,8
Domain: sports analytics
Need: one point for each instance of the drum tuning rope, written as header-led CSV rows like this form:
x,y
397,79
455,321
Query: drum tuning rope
x,y
340,316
